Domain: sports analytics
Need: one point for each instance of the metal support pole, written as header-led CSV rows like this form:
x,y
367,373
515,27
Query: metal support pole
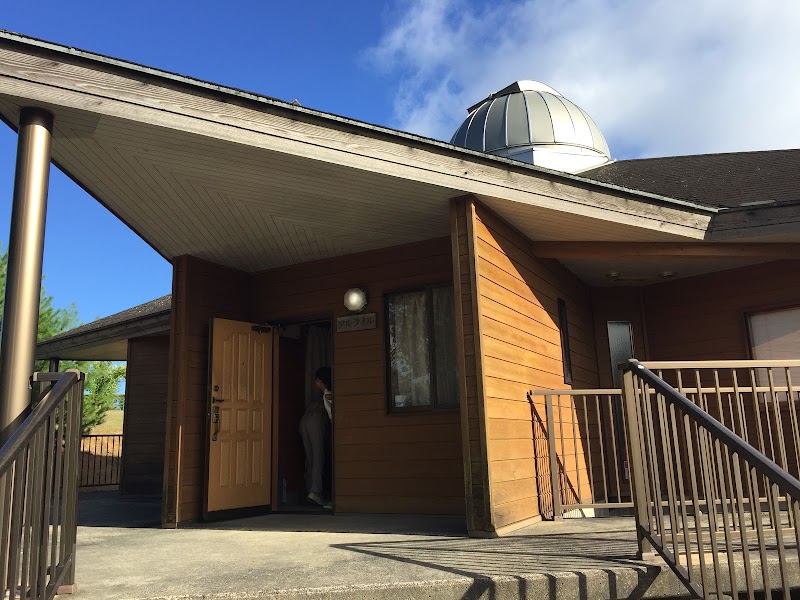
x,y
24,276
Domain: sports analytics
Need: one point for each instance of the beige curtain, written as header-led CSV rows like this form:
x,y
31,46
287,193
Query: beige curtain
x,y
775,335
409,347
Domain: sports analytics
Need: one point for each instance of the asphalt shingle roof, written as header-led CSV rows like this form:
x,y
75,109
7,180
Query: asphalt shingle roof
x,y
729,180
131,314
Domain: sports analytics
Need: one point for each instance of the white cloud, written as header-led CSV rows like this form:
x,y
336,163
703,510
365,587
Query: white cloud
x,y
660,77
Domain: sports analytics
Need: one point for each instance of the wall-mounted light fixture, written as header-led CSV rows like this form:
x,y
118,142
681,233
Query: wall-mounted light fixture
x,y
355,299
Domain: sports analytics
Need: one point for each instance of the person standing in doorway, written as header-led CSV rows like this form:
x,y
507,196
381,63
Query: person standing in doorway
x,y
314,428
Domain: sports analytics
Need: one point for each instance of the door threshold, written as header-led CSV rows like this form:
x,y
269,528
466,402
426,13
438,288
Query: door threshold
x,y
302,510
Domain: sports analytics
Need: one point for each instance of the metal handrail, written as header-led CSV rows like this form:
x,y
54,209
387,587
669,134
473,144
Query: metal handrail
x,y
38,416
703,493
584,433
787,483
38,482
719,364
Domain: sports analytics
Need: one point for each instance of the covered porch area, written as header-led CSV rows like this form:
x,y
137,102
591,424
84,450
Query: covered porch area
x,y
355,556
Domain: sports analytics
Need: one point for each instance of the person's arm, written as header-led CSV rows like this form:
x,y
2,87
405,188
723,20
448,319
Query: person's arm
x,y
327,401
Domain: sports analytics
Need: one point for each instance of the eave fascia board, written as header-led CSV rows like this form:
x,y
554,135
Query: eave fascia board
x,y
753,222
134,328
36,84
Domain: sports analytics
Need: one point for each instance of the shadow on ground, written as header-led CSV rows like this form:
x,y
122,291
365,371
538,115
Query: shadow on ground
x,y
530,566
344,523
108,509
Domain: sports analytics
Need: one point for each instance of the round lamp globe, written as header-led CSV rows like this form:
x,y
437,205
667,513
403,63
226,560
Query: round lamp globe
x,y
355,299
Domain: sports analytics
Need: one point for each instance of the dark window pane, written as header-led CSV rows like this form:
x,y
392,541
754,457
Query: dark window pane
x,y
566,357
620,346
444,328
409,347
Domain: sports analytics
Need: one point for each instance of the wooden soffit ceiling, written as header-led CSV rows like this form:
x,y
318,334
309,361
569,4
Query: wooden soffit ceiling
x,y
254,183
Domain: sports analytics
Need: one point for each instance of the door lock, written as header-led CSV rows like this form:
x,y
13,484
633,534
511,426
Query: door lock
x,y
215,420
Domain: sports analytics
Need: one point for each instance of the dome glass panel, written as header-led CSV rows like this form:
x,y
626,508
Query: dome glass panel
x,y
541,123
517,132
475,139
496,124
583,135
563,129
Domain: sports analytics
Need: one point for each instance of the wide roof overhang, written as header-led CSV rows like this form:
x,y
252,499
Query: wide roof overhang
x,y
255,183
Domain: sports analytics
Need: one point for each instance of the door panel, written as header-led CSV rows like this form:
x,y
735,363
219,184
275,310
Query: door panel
x,y
240,427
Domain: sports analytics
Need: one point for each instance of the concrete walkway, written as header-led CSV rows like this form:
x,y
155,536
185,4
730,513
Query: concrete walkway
x,y
324,556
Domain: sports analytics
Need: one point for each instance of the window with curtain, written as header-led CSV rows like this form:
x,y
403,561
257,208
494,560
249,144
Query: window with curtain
x,y
421,349
775,335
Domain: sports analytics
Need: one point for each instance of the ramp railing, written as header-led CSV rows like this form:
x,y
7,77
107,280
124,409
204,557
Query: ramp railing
x,y
719,510
586,455
39,483
101,460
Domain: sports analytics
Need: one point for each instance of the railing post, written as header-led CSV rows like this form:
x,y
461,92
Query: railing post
x,y
71,478
640,507
555,480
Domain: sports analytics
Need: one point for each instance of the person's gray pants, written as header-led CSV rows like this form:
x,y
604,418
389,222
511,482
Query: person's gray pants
x,y
313,430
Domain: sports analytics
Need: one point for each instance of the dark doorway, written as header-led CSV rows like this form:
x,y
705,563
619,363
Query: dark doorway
x,y
303,349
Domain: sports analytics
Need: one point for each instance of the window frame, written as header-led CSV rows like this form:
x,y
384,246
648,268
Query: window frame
x,y
434,405
761,310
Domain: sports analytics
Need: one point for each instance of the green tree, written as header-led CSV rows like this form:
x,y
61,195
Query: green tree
x,y
102,382
102,378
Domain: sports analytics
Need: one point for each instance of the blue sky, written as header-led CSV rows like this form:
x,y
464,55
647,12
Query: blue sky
x,y
659,77
258,46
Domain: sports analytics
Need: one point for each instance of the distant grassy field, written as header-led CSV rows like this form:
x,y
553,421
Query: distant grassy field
x,y
112,424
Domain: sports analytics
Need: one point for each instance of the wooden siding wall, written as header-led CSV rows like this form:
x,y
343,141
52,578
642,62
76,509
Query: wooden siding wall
x,y
468,339
521,350
618,304
145,416
200,291
401,463
697,318
703,317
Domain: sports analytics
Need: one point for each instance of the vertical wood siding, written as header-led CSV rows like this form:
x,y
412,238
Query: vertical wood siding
x,y
521,350
473,422
400,463
145,415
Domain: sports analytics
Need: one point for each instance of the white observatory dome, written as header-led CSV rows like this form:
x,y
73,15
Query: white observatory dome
x,y
533,123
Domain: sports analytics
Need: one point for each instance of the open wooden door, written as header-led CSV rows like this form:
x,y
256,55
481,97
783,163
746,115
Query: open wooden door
x,y
240,416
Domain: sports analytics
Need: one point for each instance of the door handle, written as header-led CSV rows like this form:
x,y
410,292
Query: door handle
x,y
216,400
215,420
